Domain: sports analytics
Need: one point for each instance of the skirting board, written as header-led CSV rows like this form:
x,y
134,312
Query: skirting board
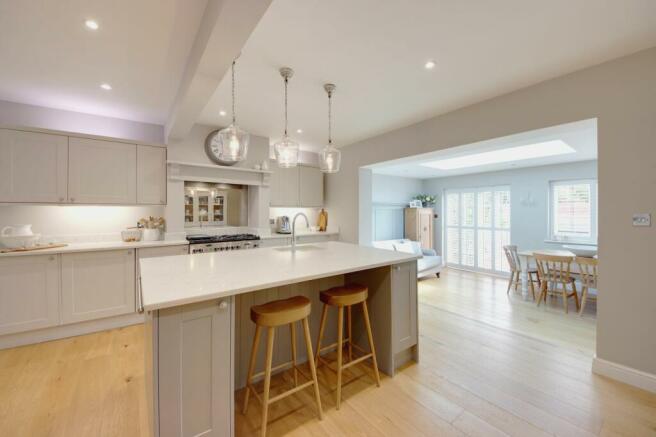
x,y
64,331
627,375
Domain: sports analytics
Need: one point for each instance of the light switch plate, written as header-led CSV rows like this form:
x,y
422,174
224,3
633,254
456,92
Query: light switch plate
x,y
641,219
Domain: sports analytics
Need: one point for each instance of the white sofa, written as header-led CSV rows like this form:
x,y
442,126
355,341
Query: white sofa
x,y
429,264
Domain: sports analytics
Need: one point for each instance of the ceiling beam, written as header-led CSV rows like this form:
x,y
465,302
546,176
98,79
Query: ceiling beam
x,y
224,29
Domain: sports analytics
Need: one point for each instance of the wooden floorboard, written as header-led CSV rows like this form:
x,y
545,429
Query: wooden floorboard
x,y
490,365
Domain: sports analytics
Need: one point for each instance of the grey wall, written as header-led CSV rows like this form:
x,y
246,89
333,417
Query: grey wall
x,y
622,95
21,115
529,222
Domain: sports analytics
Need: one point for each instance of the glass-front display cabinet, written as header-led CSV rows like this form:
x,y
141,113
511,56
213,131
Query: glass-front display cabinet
x,y
205,206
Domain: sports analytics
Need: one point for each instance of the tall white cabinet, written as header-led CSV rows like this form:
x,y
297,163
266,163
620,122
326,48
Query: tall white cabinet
x,y
33,167
29,293
97,284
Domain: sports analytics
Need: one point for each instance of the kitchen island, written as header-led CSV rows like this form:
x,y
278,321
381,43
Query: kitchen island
x,y
199,331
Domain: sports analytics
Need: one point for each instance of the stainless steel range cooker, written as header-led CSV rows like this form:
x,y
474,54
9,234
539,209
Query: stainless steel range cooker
x,y
201,243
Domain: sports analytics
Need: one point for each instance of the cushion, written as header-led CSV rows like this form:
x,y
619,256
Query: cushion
x,y
428,262
412,247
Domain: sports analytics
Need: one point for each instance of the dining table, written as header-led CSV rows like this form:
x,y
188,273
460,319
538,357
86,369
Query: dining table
x,y
527,255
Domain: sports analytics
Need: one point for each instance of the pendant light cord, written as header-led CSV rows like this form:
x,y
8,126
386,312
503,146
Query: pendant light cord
x,y
234,116
286,80
330,118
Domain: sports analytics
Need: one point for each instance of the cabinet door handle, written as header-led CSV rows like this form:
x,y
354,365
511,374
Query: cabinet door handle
x,y
223,305
61,199
397,268
129,252
72,199
51,258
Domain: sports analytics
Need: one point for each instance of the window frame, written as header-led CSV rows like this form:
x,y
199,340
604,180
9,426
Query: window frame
x,y
594,208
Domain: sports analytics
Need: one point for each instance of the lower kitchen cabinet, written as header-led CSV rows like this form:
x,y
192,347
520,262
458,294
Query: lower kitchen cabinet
x,y
29,293
404,306
97,284
193,353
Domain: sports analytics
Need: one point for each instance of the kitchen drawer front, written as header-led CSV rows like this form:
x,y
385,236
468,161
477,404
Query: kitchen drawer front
x,y
404,305
29,293
97,284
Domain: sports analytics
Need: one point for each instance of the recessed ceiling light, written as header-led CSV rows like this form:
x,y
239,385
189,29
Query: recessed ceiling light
x,y
299,131
105,86
222,113
429,65
91,24
511,154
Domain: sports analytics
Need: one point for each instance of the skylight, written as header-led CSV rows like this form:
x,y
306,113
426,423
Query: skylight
x,y
511,154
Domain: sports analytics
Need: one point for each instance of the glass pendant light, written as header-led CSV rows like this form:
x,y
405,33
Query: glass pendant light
x,y
232,141
286,149
330,157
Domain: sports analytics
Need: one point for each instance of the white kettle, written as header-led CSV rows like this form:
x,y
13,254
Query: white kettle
x,y
17,231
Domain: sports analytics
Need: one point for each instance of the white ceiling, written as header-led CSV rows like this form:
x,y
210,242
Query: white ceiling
x,y
49,58
374,51
581,136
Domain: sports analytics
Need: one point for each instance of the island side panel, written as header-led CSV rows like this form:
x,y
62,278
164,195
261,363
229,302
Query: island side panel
x,y
379,304
195,369
393,312
405,328
282,348
151,371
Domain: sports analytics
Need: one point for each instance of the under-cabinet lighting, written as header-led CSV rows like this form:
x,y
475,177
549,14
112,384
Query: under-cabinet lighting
x,y
511,154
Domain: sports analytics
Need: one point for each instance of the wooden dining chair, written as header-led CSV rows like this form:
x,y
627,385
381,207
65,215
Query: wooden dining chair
x,y
516,270
555,270
588,273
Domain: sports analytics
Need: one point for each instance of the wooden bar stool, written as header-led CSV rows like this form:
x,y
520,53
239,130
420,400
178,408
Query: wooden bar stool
x,y
346,296
271,315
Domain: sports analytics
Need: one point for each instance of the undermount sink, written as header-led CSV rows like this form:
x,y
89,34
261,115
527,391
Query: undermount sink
x,y
303,248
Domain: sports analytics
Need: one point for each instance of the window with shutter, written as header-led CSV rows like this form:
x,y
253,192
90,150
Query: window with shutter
x,y
573,214
477,226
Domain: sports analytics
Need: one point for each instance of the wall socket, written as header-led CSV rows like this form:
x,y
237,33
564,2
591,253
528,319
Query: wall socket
x,y
641,219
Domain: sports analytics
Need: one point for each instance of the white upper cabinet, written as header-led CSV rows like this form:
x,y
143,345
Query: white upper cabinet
x,y
29,293
97,284
300,186
33,167
151,175
310,186
102,172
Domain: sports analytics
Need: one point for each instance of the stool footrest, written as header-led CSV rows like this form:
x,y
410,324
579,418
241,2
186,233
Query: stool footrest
x,y
274,369
334,345
346,365
290,392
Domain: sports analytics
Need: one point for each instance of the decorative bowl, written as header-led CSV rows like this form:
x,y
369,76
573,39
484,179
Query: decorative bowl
x,y
130,235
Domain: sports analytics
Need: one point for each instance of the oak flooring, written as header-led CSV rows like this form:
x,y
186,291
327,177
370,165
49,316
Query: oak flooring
x,y
490,365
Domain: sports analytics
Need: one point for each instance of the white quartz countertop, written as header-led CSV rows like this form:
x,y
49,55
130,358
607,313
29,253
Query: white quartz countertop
x,y
97,246
183,279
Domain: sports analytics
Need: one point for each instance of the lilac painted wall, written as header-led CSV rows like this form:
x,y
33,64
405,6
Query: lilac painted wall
x,y
30,116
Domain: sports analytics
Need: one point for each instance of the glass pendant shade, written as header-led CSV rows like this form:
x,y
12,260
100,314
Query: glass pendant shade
x,y
233,143
286,151
330,159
